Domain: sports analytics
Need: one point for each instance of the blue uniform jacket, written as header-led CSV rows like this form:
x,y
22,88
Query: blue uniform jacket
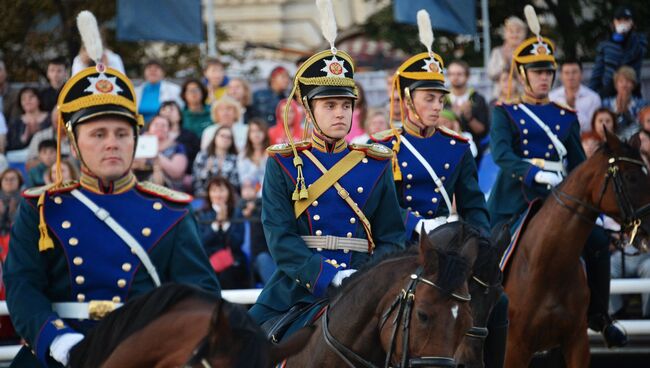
x,y
90,262
449,156
303,274
514,136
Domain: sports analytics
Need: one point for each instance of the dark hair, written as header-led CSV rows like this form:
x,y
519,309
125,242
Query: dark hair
x,y
47,143
20,95
213,61
461,63
260,123
221,182
600,111
59,60
21,180
175,104
156,62
204,91
212,146
569,62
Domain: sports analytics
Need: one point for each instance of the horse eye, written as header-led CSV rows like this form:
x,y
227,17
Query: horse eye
x,y
423,317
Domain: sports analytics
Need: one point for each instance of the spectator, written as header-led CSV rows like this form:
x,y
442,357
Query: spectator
x,y
644,146
625,47
57,74
376,122
189,140
31,121
624,104
196,114
449,120
591,141
45,134
504,96
216,79
8,96
295,119
575,95
10,183
110,59
3,132
469,106
226,112
603,119
644,119
252,161
265,101
155,90
514,33
69,172
168,167
218,159
635,266
358,115
46,158
240,90
250,206
223,235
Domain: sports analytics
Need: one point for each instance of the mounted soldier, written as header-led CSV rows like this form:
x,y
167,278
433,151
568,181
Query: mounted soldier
x,y
80,249
329,207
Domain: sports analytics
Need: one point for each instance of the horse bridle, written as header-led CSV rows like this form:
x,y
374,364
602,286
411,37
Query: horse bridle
x,y
631,217
478,332
404,304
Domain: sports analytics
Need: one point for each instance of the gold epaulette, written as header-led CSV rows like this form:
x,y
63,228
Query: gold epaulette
x,y
284,149
163,192
385,135
450,133
35,192
373,150
563,106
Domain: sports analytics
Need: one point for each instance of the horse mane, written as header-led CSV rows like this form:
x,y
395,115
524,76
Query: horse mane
x,y
138,312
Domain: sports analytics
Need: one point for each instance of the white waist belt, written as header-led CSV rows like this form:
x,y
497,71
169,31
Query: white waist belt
x,y
330,242
95,310
547,165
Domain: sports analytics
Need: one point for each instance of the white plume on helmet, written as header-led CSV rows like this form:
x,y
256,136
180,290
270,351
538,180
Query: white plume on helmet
x,y
327,21
532,20
89,31
425,30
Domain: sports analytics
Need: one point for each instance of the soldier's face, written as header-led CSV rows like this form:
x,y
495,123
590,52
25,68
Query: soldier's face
x,y
540,81
427,104
333,116
106,146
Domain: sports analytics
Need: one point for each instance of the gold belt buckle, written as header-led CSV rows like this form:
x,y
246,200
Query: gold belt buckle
x,y
98,309
539,162
343,193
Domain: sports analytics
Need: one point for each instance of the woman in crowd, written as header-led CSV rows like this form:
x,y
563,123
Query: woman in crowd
x,y
179,133
223,234
624,104
168,167
358,115
295,118
252,161
10,183
226,112
196,114
69,172
376,122
602,119
240,90
514,33
218,159
31,120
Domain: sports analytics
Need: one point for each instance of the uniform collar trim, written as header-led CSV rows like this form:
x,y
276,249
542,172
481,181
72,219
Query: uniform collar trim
x,y
96,185
319,143
413,130
526,98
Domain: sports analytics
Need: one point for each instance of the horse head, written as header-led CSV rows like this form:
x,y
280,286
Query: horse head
x,y
434,313
235,340
485,287
620,187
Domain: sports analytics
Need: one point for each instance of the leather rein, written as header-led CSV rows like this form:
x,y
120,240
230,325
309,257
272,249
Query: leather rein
x,y
404,305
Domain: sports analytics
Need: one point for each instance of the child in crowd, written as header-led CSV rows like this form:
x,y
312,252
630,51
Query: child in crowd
x,y
46,158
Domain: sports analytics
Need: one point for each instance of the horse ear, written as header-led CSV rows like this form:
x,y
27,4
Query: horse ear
x,y
218,334
428,258
611,140
470,250
292,346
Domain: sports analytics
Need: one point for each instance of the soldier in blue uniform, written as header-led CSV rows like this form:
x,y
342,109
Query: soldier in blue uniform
x,y
79,249
535,143
329,207
434,170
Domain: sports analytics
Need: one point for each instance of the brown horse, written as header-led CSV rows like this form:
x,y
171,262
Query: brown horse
x,y
546,283
180,326
408,310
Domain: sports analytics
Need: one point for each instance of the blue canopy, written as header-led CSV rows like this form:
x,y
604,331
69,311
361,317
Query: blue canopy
x,y
455,16
160,20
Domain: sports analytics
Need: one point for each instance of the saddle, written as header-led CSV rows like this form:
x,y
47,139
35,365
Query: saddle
x,y
276,327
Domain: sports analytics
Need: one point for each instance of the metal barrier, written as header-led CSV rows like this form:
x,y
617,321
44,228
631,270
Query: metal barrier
x,y
248,296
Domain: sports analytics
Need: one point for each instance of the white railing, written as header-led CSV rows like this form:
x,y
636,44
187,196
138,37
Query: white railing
x,y
248,296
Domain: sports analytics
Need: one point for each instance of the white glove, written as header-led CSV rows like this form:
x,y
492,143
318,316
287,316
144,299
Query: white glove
x,y
338,278
61,345
430,224
548,177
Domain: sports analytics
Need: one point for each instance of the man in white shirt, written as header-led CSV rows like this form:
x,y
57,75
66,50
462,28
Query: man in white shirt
x,y
575,95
